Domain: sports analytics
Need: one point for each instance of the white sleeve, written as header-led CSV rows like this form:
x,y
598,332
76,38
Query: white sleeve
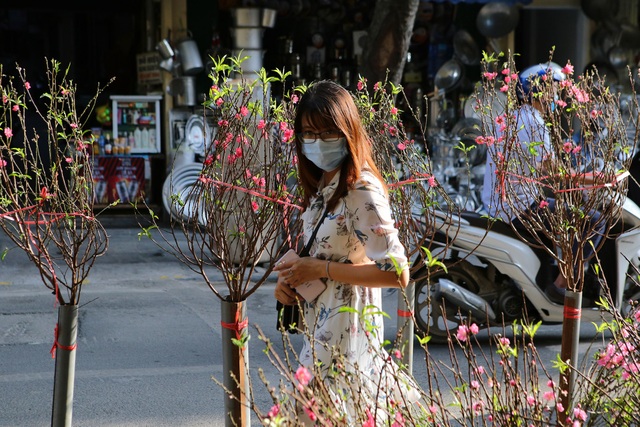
x,y
373,225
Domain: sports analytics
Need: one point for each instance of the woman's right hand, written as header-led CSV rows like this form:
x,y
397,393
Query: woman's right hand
x,y
285,293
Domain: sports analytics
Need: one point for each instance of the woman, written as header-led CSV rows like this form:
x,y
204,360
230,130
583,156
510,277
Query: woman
x,y
356,248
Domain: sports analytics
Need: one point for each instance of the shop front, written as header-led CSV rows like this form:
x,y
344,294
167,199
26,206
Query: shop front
x,y
163,49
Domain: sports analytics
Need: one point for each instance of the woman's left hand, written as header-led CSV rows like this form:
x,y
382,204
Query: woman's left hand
x,y
301,270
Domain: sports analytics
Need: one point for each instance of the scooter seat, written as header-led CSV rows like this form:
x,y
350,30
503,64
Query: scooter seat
x,y
482,221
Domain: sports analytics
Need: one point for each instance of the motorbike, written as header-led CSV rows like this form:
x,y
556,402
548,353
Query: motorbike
x,y
494,278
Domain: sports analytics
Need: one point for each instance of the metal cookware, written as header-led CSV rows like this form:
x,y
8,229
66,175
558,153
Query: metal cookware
x,y
268,19
487,103
449,75
190,57
179,185
167,64
247,37
465,48
468,129
246,16
165,49
495,20
619,57
198,132
183,90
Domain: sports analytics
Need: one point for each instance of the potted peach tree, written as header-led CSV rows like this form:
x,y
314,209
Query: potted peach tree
x,y
46,203
241,210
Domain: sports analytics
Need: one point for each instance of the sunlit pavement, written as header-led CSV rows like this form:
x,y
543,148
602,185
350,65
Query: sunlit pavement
x,y
149,341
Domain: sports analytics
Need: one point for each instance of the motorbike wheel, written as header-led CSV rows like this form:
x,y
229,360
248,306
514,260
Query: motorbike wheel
x,y
437,318
631,294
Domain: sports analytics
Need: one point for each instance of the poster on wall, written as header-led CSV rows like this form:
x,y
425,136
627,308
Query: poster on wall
x,y
118,178
148,68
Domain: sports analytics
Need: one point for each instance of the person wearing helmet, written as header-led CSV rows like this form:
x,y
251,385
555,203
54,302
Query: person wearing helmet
x,y
531,79
531,127
531,130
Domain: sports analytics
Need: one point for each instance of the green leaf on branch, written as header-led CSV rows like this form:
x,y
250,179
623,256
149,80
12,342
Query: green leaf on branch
x,y
530,330
244,339
560,364
433,262
601,328
423,340
146,232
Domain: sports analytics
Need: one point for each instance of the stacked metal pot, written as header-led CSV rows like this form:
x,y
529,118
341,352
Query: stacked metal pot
x,y
184,63
247,34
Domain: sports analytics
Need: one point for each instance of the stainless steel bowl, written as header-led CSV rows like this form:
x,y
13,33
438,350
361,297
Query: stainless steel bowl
x,y
449,75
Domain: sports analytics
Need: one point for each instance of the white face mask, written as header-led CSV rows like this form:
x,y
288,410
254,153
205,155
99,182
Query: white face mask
x,y
326,155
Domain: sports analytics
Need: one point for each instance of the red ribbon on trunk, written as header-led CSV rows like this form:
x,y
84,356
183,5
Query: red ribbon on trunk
x,y
571,313
236,326
57,345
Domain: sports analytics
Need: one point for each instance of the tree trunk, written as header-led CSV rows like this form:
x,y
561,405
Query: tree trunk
x,y
406,327
388,39
64,350
569,351
235,364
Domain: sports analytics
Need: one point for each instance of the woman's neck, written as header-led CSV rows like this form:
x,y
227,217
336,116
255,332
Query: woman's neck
x,y
328,176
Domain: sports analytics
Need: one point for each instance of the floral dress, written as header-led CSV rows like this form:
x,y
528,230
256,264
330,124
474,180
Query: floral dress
x,y
359,230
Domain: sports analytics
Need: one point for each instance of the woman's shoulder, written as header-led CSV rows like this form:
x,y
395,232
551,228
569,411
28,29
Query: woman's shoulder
x,y
369,183
369,180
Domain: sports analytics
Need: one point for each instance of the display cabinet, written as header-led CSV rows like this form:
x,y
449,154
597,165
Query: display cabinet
x,y
136,123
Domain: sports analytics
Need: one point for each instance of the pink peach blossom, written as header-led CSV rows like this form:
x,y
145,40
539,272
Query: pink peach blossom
x,y
303,375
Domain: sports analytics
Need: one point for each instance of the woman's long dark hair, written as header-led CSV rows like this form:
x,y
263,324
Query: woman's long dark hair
x,y
327,105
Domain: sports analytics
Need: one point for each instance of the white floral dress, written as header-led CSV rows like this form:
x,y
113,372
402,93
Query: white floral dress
x,y
359,230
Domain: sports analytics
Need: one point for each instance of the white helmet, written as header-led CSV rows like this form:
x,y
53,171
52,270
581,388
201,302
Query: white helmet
x,y
529,77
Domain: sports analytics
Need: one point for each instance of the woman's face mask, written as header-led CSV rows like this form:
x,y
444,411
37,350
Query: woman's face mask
x,y
327,156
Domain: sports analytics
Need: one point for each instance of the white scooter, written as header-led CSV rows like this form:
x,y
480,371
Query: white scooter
x,y
493,277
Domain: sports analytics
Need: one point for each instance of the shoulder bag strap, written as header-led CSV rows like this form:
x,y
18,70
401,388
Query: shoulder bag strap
x,y
307,248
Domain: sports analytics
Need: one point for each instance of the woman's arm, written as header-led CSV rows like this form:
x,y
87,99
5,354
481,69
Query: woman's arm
x,y
296,272
366,275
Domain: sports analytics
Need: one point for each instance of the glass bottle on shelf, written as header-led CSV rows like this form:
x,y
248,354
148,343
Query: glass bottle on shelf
x,y
152,139
108,147
145,138
137,138
101,144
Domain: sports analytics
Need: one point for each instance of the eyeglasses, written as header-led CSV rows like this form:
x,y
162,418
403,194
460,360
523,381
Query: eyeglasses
x,y
309,137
